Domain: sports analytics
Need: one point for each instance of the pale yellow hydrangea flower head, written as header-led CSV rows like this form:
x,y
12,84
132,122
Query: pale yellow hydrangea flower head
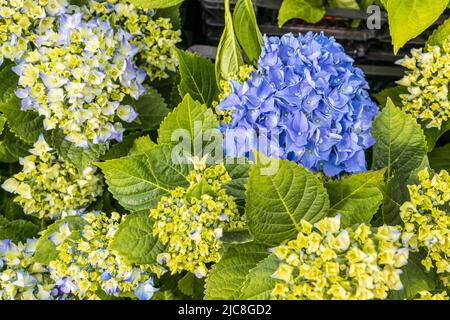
x,y
50,188
87,260
427,81
155,37
327,261
427,221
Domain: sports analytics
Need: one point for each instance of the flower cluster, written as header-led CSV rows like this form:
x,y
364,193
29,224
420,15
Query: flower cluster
x,y
22,20
427,221
49,187
154,37
77,78
23,279
308,97
426,295
192,220
427,81
329,262
86,260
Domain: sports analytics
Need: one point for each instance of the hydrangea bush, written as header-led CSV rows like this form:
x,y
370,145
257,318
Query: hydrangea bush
x,y
133,169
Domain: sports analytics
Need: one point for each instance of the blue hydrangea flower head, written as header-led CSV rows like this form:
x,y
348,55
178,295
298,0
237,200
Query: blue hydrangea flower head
x,y
310,102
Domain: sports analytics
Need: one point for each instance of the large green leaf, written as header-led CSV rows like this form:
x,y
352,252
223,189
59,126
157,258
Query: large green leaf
x,y
238,169
192,286
228,275
311,11
258,283
134,239
432,135
392,93
46,249
357,197
395,193
348,4
440,34
415,278
190,119
275,204
229,56
197,77
409,18
78,156
8,82
400,144
142,145
27,125
440,158
18,230
11,148
246,29
138,181
155,4
151,109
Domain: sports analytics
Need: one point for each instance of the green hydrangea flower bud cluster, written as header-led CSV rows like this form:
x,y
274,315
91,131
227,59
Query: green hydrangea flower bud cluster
x,y
427,81
244,73
427,221
326,261
191,221
50,188
20,277
154,37
86,259
22,20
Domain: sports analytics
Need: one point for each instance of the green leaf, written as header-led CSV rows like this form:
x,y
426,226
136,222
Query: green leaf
x,y
190,119
400,144
432,135
238,169
27,125
18,230
191,286
246,29
155,4
395,193
135,241
46,249
139,181
78,156
142,145
151,109
391,93
122,149
440,34
440,158
229,56
228,275
197,77
311,11
8,82
9,209
11,148
409,18
349,4
415,278
258,284
357,197
276,204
